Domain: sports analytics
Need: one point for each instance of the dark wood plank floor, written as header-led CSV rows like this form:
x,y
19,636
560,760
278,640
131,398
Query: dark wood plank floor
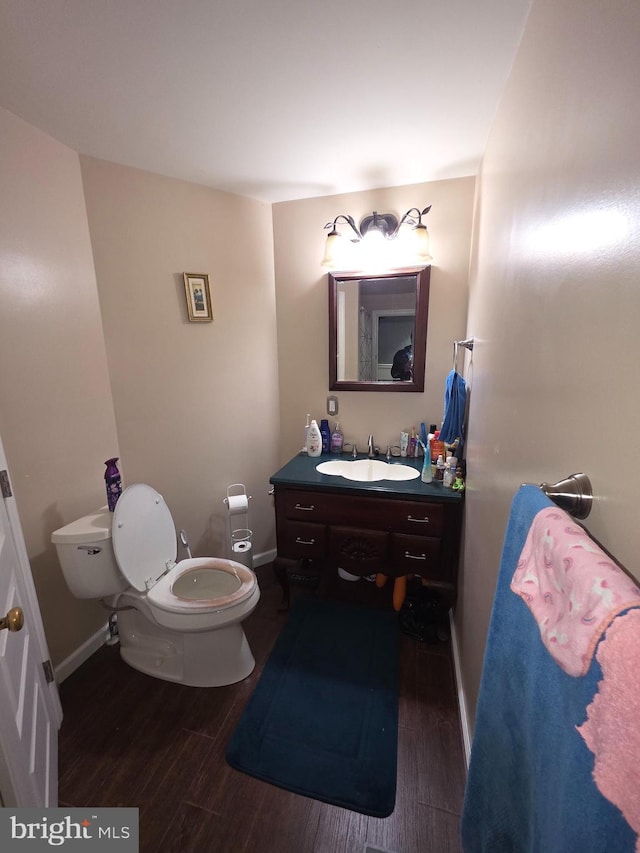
x,y
131,740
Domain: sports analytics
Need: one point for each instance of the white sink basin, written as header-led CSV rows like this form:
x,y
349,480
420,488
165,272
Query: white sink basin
x,y
367,470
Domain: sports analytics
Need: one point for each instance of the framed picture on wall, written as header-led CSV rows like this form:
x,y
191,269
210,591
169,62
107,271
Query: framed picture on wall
x,y
196,286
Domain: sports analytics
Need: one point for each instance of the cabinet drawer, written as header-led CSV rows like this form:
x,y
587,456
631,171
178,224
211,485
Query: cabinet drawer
x,y
308,506
358,551
414,517
418,517
303,540
420,555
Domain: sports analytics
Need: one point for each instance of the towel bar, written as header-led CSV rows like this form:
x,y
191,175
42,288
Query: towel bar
x,y
468,344
574,494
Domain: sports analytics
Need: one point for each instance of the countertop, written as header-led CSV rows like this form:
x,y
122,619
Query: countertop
x,y
301,471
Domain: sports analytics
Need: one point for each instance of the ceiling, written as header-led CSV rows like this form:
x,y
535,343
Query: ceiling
x,y
272,99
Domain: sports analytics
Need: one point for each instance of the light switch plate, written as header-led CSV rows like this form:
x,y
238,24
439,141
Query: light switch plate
x,y
332,406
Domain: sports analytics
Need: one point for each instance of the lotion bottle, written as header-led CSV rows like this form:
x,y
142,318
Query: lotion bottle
x,y
325,434
314,440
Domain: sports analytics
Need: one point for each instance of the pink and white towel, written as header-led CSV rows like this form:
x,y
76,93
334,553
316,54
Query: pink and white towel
x,y
611,730
572,588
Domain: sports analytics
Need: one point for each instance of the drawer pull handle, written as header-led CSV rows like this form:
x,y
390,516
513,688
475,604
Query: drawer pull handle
x,y
306,508
415,556
424,520
300,541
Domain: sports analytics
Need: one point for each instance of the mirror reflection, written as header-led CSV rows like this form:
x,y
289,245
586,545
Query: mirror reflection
x,y
378,330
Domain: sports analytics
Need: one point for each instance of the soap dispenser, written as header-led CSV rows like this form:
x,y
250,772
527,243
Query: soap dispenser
x,y
337,439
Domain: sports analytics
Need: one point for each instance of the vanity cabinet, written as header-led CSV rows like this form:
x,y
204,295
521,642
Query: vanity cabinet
x,y
388,528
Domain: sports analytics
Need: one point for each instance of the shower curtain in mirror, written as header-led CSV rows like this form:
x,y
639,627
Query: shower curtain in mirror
x,y
365,344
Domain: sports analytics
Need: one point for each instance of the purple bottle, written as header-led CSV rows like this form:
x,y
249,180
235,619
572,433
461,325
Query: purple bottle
x,y
114,482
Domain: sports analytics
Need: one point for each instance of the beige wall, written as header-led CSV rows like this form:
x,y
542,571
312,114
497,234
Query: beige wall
x,y
196,403
555,301
301,290
56,414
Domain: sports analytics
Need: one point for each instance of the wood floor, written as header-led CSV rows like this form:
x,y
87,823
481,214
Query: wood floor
x,y
131,740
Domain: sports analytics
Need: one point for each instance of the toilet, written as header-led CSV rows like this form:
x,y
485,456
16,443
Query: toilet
x,y
181,622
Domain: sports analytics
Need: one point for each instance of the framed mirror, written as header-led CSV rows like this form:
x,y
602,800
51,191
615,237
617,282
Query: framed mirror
x,y
378,330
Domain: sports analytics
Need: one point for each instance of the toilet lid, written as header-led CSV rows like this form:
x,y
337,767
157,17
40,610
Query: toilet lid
x,y
143,535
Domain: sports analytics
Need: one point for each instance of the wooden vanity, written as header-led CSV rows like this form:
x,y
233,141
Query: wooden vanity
x,y
386,527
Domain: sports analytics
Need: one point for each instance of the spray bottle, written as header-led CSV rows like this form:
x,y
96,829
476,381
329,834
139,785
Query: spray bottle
x,y
113,481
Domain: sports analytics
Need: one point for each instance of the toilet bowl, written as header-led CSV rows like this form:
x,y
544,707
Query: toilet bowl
x,y
176,621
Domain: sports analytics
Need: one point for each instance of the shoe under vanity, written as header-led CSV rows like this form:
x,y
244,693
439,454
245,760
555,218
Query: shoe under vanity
x,y
388,528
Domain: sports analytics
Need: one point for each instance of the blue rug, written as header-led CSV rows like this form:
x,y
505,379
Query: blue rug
x,y
323,719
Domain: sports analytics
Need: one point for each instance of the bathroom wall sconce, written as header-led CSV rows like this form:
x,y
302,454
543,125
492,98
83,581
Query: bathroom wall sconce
x,y
372,234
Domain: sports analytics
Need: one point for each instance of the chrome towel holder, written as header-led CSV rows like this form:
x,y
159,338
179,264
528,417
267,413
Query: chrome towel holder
x,y
573,494
468,344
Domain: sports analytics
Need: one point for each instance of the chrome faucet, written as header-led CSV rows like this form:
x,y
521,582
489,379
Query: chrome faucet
x,y
372,447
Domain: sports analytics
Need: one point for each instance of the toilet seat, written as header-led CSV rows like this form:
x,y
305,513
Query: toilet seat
x,y
163,594
145,548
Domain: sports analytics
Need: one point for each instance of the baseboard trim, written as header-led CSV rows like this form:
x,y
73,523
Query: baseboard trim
x,y
265,557
81,654
462,702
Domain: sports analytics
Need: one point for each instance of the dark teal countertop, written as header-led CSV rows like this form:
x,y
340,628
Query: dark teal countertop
x,y
301,471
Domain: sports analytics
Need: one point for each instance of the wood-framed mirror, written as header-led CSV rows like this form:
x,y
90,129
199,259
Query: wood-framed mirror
x,y
378,330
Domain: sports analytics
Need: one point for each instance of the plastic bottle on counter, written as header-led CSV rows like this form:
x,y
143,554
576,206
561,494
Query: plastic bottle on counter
x,y
412,443
325,433
449,471
314,439
426,476
439,469
437,446
337,439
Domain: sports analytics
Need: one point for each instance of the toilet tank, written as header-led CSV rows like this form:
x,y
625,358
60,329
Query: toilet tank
x,y
85,553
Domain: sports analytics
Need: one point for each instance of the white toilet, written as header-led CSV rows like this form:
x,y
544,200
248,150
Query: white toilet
x,y
176,621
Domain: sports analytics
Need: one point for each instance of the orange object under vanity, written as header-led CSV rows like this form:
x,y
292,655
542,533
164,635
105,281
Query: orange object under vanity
x,y
399,592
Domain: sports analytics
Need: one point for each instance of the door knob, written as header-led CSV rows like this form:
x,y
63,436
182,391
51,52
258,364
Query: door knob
x,y
14,620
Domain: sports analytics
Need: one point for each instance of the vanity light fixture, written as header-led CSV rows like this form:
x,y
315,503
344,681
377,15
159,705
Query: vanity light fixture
x,y
378,227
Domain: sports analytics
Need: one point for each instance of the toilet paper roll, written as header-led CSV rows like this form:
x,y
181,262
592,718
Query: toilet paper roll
x,y
238,504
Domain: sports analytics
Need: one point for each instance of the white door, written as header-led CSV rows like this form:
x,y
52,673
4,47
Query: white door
x,y
30,710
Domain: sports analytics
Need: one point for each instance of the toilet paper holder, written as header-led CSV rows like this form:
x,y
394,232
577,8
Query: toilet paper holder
x,y
237,501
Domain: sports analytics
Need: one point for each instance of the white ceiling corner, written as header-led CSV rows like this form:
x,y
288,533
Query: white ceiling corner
x,y
275,101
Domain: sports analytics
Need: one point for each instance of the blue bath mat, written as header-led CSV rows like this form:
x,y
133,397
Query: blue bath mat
x,y
323,719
